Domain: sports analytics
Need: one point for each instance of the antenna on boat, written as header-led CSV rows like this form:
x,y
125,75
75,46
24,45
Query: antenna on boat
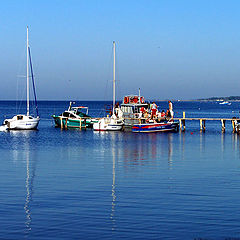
x,y
27,76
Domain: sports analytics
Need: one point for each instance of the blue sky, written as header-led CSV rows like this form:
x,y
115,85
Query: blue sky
x,y
169,49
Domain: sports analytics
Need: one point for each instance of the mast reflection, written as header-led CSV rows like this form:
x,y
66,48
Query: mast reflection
x,y
22,142
113,185
28,196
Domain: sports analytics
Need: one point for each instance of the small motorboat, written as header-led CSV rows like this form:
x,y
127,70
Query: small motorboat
x,y
225,103
156,127
74,117
108,124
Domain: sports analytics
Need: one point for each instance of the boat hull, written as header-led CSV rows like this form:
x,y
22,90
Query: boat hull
x,y
72,123
107,124
30,124
109,127
156,127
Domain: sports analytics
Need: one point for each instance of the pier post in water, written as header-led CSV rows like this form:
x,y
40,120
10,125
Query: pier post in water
x,y
223,125
61,123
182,123
234,126
202,125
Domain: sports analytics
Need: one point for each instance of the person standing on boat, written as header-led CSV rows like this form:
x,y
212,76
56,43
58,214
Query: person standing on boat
x,y
154,109
142,112
170,107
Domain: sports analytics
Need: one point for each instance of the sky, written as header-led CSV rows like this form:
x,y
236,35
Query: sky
x,y
178,49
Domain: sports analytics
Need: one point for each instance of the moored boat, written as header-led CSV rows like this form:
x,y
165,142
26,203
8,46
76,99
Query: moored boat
x,y
131,108
156,127
74,117
114,122
25,121
108,124
225,103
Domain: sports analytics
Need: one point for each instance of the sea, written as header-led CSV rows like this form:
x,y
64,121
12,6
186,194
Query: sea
x,y
81,184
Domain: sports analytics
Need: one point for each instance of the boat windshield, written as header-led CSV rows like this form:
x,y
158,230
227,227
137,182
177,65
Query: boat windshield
x,y
81,111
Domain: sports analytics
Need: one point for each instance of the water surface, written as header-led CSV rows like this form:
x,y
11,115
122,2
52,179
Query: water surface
x,y
74,184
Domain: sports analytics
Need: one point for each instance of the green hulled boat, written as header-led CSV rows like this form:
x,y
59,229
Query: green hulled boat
x,y
74,117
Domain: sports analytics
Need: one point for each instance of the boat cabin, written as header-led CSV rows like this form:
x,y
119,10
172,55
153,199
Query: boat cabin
x,y
132,105
133,99
80,110
131,108
75,112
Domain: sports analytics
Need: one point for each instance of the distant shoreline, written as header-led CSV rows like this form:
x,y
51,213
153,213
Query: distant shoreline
x,y
213,99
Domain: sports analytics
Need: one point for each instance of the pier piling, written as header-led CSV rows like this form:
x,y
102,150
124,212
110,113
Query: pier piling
x,y
182,123
223,121
202,125
61,123
234,126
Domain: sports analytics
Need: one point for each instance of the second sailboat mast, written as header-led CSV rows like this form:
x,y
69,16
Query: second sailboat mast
x,y
114,81
27,77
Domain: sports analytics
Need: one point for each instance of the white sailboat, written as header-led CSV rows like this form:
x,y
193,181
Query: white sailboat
x,y
25,121
115,122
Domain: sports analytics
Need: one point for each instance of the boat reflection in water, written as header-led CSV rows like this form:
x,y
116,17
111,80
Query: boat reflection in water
x,y
115,138
152,149
149,149
22,141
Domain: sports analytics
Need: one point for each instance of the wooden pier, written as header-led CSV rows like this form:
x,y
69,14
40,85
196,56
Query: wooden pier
x,y
202,123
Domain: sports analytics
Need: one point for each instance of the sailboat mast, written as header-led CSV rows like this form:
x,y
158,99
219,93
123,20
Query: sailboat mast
x,y
139,95
27,76
114,81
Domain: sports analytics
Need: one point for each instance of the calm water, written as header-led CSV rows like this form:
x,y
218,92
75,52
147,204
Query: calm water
x,y
74,184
